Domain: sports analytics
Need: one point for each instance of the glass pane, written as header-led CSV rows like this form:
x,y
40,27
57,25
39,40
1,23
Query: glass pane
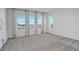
x,y
50,24
31,25
39,24
20,26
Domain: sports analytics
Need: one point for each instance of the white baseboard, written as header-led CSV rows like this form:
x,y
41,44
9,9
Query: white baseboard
x,y
64,36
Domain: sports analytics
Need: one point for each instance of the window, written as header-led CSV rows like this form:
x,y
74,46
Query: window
x,y
20,23
39,21
31,23
50,23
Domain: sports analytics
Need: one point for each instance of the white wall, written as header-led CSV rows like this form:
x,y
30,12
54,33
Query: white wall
x,y
3,33
1,44
10,23
66,22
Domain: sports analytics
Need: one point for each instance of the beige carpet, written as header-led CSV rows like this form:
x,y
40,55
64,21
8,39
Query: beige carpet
x,y
42,42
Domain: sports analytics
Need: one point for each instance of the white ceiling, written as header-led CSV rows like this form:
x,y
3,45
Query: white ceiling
x,y
40,9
